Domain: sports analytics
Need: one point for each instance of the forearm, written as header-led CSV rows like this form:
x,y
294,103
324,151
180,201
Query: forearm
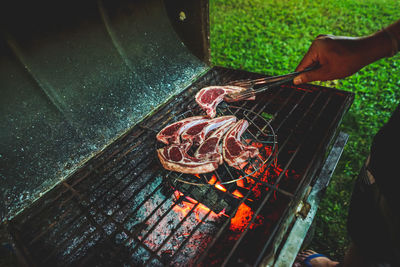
x,y
384,43
393,31
340,56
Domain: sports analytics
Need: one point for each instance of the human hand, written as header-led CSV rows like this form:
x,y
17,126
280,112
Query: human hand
x,y
337,57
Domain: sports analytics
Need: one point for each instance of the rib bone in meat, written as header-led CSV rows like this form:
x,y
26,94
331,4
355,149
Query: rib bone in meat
x,y
211,146
197,133
175,158
235,153
171,133
209,97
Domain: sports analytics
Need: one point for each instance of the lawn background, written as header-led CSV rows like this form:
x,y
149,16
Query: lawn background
x,y
271,37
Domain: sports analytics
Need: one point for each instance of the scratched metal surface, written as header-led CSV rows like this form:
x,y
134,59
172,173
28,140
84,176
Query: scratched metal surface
x,y
73,80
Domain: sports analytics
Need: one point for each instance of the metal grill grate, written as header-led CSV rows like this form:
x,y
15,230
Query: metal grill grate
x,y
119,208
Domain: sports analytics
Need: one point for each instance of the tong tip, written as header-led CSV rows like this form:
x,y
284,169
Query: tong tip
x,y
243,95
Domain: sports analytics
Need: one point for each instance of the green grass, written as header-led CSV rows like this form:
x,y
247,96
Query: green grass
x,y
272,36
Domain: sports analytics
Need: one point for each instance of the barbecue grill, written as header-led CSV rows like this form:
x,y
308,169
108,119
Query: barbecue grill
x,y
87,88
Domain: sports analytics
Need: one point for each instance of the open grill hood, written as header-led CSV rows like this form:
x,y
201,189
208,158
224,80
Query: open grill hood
x,y
76,75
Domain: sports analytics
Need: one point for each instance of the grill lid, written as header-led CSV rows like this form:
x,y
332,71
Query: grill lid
x,y
76,75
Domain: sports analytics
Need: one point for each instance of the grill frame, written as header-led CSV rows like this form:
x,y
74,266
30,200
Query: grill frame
x,y
120,149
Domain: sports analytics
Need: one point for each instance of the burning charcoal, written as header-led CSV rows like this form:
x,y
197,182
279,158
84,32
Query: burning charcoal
x,y
214,199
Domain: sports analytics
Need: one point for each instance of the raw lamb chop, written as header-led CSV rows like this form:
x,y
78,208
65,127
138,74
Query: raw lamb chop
x,y
175,158
235,153
211,145
197,133
209,97
171,133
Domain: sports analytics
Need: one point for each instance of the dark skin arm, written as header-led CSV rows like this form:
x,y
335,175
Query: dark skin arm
x,y
340,56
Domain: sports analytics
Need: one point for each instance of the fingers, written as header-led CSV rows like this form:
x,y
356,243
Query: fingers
x,y
310,58
306,253
309,76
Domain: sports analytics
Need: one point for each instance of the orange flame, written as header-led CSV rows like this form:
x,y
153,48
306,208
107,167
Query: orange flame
x,y
185,207
219,186
237,193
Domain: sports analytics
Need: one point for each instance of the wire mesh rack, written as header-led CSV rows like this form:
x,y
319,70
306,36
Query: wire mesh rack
x,y
259,134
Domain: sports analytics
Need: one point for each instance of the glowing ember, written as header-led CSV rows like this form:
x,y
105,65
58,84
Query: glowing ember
x,y
219,186
238,222
213,179
237,193
242,218
185,207
244,214
240,183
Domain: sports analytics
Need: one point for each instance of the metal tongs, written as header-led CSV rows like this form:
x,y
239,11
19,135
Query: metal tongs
x,y
268,82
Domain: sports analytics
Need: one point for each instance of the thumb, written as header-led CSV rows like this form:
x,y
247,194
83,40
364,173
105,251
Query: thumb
x,y
306,77
298,79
